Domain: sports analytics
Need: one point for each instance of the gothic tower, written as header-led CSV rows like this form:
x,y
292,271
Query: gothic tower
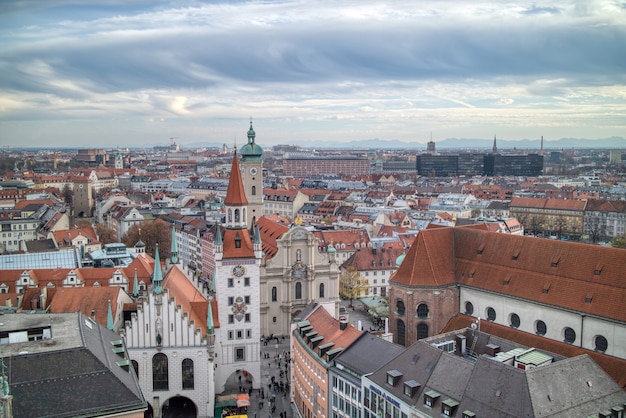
x,y
252,175
237,286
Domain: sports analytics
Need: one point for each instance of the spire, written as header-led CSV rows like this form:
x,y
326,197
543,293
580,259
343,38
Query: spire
x,y
157,276
174,251
210,326
135,285
110,326
218,236
235,195
251,133
495,148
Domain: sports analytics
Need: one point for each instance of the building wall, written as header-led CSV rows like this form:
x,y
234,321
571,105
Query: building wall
x,y
309,382
302,167
587,328
443,304
282,272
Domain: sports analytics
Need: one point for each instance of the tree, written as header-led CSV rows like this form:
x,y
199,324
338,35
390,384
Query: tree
x,y
151,233
596,229
560,223
536,223
68,195
350,284
619,241
106,235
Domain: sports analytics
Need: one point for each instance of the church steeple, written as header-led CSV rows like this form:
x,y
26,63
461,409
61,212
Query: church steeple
x,y
157,276
236,202
494,149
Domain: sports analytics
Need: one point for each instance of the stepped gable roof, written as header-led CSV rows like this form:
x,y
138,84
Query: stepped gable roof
x,y
429,261
582,277
613,366
272,228
235,194
85,300
187,296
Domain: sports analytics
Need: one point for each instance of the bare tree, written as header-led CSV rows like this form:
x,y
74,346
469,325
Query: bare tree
x,y
106,235
560,223
619,241
536,223
151,233
596,229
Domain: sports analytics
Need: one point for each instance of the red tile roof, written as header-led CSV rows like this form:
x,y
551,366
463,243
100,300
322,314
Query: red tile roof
x,y
188,297
235,195
85,300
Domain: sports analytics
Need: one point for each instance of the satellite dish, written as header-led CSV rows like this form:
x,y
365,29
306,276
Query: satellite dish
x,y
474,326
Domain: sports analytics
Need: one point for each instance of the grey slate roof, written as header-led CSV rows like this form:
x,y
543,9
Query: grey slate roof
x,y
368,353
567,387
74,373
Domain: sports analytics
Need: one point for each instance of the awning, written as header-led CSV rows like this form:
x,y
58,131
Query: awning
x,y
243,400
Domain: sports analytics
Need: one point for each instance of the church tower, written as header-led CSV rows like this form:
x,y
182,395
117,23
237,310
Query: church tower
x,y
252,175
237,289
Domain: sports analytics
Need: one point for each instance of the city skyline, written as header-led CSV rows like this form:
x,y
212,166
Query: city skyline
x,y
110,73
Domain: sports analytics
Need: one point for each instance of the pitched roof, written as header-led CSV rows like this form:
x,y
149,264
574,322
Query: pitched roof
x,y
329,328
430,260
235,195
188,297
231,250
85,300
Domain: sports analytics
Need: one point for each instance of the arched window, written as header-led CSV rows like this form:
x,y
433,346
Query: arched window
x,y
135,368
253,190
298,290
422,330
230,215
570,335
491,314
469,308
401,332
422,310
541,328
237,215
274,294
321,290
400,308
515,321
187,373
160,379
601,343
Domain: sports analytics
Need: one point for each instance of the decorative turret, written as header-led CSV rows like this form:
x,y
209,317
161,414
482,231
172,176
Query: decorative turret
x,y
210,332
256,240
110,324
135,286
157,276
218,243
174,251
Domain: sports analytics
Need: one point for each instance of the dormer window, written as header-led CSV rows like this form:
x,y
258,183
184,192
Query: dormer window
x,y
237,241
411,387
448,407
430,398
393,377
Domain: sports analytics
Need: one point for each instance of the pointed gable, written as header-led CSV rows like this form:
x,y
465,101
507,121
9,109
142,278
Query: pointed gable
x,y
235,195
430,260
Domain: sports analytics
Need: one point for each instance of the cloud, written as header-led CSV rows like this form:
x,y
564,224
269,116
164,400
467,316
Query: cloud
x,y
428,62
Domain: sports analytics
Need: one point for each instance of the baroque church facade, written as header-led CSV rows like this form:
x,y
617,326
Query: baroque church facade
x,y
293,270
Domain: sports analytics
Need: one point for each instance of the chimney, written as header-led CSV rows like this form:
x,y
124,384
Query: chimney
x,y
492,349
343,325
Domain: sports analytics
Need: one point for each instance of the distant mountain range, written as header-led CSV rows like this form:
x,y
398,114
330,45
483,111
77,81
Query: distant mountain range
x,y
475,143
614,142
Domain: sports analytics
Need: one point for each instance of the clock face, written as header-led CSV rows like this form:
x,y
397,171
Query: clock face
x,y
239,271
253,171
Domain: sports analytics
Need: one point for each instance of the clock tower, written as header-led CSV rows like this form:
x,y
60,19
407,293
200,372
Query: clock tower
x,y
237,288
252,174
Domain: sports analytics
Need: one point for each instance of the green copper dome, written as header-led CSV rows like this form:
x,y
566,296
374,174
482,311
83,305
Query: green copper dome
x,y
251,151
400,259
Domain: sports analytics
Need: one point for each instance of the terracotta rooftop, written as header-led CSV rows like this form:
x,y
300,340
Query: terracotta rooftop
x,y
188,297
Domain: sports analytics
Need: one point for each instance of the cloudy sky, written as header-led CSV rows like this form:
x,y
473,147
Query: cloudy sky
x,y
139,72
